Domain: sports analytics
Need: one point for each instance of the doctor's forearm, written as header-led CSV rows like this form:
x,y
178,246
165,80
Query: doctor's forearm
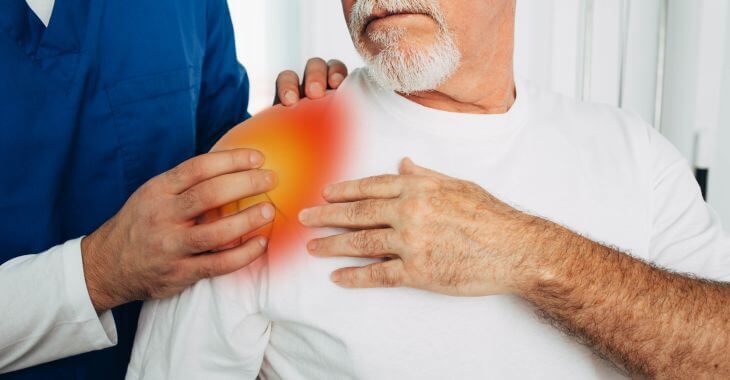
x,y
650,322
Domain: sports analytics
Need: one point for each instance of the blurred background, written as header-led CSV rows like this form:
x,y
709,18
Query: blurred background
x,y
667,60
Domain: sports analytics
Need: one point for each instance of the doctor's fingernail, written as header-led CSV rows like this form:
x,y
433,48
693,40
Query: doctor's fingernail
x,y
270,177
263,242
267,212
290,97
256,158
316,89
337,78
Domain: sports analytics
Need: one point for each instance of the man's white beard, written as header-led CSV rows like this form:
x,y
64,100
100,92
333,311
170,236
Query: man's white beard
x,y
405,70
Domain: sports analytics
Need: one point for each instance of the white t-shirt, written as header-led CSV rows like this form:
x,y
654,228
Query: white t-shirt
x,y
42,8
593,168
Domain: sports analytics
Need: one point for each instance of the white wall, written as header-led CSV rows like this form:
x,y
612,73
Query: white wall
x,y
697,90
597,50
719,189
609,51
284,34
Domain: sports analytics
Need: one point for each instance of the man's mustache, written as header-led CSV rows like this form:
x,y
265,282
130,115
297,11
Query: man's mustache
x,y
362,12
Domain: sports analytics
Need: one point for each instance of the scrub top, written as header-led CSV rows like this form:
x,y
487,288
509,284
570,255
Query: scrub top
x,y
112,93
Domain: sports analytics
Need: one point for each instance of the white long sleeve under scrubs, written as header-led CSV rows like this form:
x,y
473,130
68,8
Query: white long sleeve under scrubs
x,y
46,309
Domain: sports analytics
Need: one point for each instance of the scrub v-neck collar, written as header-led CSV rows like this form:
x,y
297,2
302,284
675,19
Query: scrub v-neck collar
x,y
54,48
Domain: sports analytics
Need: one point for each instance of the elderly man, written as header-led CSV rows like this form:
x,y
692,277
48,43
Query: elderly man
x,y
439,88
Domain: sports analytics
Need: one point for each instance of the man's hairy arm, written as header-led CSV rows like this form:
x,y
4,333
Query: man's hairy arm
x,y
649,321
453,237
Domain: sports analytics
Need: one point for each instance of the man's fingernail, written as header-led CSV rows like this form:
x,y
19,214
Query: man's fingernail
x,y
312,246
256,159
290,97
267,212
316,89
337,78
336,277
327,191
304,215
263,242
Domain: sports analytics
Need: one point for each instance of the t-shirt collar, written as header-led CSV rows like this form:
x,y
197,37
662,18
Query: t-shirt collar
x,y
452,124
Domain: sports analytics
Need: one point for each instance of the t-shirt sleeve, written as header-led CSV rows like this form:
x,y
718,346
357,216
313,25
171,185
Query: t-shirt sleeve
x,y
213,330
687,235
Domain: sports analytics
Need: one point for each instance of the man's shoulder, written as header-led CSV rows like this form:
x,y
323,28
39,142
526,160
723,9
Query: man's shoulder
x,y
359,74
579,119
357,82
271,128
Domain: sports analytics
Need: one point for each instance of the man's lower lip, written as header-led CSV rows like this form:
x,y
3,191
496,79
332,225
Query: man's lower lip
x,y
391,17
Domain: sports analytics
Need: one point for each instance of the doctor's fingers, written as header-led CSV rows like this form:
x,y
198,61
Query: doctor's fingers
x,y
318,77
287,88
220,191
315,78
369,213
211,236
336,73
224,262
207,166
363,243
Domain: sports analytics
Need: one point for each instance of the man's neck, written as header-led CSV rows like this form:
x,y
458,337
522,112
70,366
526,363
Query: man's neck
x,y
494,96
484,82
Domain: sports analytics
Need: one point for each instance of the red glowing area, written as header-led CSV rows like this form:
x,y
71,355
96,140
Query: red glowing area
x,y
305,146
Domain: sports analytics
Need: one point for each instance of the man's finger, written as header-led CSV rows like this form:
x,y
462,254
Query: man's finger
x,y
207,166
363,243
336,74
384,186
287,88
408,167
221,191
369,213
388,274
225,262
315,78
206,237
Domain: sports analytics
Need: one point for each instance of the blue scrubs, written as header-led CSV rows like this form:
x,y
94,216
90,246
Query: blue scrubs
x,y
112,93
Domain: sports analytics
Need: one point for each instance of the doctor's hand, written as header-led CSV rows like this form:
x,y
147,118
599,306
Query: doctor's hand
x,y
155,246
319,76
436,233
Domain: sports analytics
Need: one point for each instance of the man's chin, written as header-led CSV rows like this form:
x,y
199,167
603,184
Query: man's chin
x,y
403,82
402,49
413,71
397,40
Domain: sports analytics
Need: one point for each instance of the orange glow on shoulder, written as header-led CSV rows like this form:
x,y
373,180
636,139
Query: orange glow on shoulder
x,y
305,146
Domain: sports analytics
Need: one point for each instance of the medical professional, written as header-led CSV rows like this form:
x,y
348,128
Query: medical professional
x,y
96,108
